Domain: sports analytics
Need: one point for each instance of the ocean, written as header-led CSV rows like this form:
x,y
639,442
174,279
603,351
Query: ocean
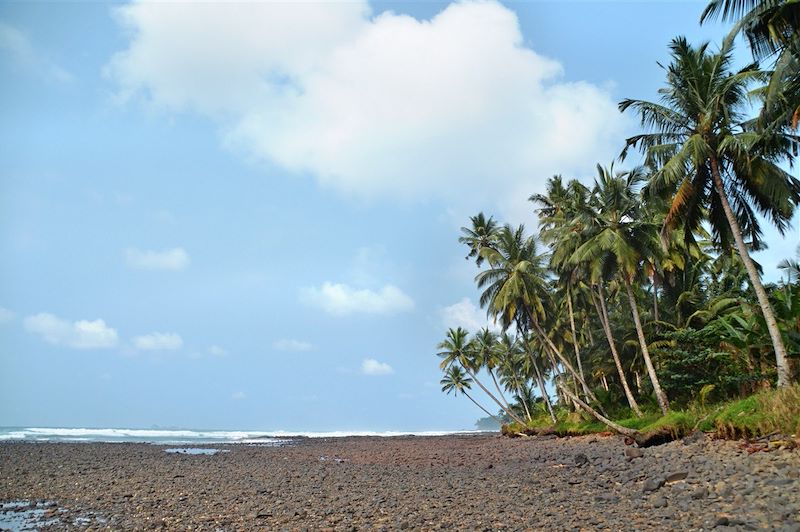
x,y
184,436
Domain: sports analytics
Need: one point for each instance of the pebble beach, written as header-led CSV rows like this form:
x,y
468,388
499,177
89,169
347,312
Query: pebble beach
x,y
471,482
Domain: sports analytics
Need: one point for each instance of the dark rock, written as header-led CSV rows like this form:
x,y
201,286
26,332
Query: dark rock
x,y
700,493
676,477
581,459
660,502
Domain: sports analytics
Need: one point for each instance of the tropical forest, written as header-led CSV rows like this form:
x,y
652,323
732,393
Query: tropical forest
x,y
638,308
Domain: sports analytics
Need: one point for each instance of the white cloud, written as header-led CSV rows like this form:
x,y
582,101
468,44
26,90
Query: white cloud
x,y
456,107
158,342
16,45
370,366
466,315
217,351
238,396
289,344
341,299
168,259
81,334
6,315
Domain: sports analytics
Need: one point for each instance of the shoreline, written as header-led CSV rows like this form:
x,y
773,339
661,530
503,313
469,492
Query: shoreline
x,y
416,482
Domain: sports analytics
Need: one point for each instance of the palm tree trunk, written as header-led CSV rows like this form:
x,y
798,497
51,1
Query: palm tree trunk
x,y
481,407
661,397
604,420
781,359
605,382
575,343
655,298
543,391
499,391
561,358
522,398
601,310
487,392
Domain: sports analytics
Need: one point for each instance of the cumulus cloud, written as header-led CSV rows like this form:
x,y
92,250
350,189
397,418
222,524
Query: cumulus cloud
x,y
289,344
169,259
17,46
158,342
457,107
370,366
6,315
466,315
81,334
341,300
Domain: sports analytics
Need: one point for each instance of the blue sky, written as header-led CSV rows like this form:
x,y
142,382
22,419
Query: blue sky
x,y
246,216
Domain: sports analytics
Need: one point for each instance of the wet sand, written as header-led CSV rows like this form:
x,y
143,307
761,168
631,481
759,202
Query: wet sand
x,y
475,482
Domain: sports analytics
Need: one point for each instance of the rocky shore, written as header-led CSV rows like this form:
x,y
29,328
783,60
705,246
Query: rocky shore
x,y
480,482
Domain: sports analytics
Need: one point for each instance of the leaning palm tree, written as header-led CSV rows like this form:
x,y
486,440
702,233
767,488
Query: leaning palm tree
x,y
558,212
713,165
457,349
617,240
515,288
456,381
510,364
485,356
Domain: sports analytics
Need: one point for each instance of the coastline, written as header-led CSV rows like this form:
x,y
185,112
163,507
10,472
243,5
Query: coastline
x,y
468,481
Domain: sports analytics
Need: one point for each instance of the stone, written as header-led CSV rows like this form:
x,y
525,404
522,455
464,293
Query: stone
x,y
652,484
660,502
676,477
633,452
700,493
695,437
581,459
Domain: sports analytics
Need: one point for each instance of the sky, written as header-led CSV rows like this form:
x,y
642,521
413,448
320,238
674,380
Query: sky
x,y
245,215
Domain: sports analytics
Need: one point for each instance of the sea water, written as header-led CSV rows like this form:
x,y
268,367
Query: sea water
x,y
182,436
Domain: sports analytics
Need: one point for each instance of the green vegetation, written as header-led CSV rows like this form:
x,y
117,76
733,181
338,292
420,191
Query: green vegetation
x,y
761,414
639,301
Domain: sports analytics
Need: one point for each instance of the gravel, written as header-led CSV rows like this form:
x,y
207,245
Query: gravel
x,y
476,482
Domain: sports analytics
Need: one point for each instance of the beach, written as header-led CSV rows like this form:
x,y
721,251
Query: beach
x,y
476,482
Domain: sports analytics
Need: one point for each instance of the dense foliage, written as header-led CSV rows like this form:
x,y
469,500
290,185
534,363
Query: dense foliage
x,y
639,293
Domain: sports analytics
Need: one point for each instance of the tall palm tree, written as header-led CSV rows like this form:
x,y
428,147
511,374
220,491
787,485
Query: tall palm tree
x,y
617,239
515,288
712,163
457,349
558,212
456,381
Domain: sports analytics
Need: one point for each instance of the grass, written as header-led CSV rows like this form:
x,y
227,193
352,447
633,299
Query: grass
x,y
767,412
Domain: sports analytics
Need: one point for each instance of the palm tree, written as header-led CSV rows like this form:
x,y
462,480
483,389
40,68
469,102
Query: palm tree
x,y
713,164
772,29
456,348
482,234
485,356
515,289
558,210
617,239
510,362
456,381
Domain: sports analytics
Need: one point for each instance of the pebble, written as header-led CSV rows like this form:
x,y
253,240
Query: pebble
x,y
472,482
